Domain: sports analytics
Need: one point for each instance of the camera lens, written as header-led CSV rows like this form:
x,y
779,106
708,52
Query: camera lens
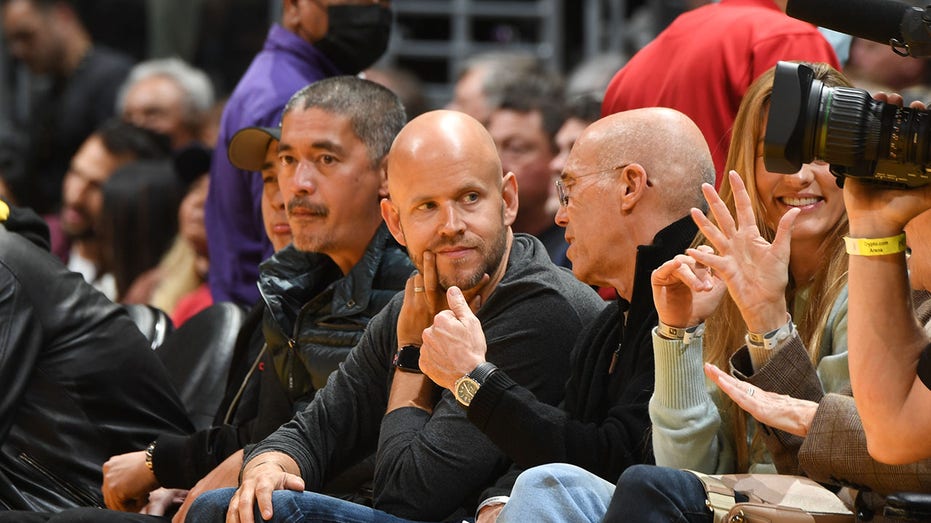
x,y
846,127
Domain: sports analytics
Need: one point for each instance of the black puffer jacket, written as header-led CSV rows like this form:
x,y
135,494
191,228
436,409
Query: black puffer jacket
x,y
313,316
78,383
332,310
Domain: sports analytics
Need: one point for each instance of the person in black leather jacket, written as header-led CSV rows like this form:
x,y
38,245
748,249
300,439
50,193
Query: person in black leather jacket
x,y
316,304
79,381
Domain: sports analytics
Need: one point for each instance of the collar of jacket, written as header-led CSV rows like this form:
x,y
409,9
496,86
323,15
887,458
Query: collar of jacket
x,y
667,243
26,223
291,278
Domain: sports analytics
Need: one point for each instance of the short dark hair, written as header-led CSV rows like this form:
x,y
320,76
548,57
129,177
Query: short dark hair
x,y
375,113
126,140
585,107
540,93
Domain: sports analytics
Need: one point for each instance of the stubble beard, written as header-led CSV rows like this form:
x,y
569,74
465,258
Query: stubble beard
x,y
492,254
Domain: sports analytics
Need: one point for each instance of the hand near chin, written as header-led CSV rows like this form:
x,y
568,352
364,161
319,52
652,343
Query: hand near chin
x,y
455,344
423,298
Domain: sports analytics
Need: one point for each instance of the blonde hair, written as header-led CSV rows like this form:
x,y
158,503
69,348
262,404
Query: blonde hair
x,y
725,327
180,275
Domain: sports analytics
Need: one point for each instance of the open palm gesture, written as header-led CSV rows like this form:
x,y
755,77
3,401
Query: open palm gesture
x,y
755,271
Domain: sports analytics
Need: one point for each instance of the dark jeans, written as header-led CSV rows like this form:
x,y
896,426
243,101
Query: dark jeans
x,y
79,515
650,494
291,507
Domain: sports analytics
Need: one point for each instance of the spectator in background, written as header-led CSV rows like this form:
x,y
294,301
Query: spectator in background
x,y
707,58
484,78
138,222
8,164
50,38
167,96
875,67
524,127
113,145
312,42
402,83
182,290
592,76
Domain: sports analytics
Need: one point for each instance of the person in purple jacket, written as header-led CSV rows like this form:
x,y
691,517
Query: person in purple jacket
x,y
314,40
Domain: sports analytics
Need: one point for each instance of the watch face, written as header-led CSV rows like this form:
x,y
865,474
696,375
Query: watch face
x,y
466,388
408,358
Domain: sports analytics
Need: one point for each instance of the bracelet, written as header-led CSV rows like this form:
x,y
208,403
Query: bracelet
x,y
678,333
773,338
875,246
149,451
494,500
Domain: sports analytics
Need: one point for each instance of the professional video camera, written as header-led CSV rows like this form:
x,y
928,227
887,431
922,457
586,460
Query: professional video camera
x,y
846,127
904,27
857,135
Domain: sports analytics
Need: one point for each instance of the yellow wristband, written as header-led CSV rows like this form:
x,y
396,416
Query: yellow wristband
x,y
875,246
4,211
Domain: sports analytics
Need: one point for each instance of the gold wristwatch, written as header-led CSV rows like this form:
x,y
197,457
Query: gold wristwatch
x,y
467,386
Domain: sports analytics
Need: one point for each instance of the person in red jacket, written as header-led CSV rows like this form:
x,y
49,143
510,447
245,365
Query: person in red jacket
x,y
704,61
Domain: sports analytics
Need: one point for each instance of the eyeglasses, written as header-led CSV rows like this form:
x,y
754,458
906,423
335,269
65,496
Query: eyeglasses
x,y
562,191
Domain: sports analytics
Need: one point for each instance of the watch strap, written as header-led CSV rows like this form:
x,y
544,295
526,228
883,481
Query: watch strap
x,y
149,453
481,373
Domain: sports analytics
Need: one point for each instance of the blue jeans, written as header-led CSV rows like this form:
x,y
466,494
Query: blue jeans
x,y
646,493
557,493
291,507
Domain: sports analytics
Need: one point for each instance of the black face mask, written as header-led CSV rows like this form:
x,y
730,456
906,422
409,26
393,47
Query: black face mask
x,y
357,36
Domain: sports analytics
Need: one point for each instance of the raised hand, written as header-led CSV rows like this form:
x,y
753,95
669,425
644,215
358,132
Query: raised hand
x,y
755,271
423,298
686,292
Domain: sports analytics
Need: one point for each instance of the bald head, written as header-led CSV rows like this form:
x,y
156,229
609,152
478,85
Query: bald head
x,y
447,196
439,139
668,145
629,176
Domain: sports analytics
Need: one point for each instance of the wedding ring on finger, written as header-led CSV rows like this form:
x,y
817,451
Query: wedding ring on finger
x,y
418,289
751,390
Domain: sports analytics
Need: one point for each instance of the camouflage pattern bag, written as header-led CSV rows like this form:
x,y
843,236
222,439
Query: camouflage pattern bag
x,y
772,497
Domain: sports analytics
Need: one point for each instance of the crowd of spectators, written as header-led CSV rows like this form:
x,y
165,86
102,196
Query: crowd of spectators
x,y
561,297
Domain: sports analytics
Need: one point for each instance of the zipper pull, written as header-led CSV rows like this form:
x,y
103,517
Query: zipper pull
x,y
291,345
614,357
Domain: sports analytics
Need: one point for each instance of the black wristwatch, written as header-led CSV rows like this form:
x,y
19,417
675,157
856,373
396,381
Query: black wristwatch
x,y
407,359
467,386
